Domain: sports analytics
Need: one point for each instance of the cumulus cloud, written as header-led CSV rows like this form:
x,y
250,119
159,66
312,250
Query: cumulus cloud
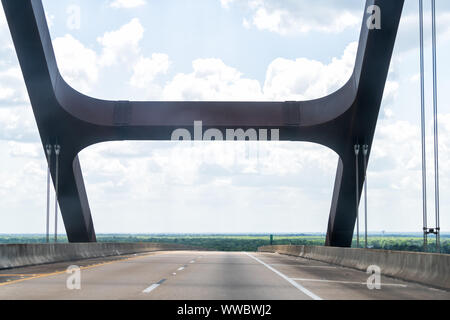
x,y
389,98
286,79
201,176
18,124
394,173
408,38
302,78
226,3
122,45
273,181
146,69
299,17
25,149
77,64
22,188
211,79
2,18
12,88
4,31
127,4
82,66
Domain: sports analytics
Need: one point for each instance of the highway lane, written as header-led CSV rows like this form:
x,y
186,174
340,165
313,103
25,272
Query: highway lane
x,y
192,275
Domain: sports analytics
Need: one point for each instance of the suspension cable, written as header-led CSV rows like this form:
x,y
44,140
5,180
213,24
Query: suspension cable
x,y
436,124
365,152
357,149
57,152
423,124
48,150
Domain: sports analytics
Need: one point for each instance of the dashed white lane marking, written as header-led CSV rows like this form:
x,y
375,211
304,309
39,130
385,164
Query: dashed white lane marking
x,y
154,286
180,268
292,282
151,288
193,261
348,282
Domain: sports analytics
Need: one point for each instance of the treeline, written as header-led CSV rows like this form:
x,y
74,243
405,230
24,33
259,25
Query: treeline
x,y
405,244
248,242
220,243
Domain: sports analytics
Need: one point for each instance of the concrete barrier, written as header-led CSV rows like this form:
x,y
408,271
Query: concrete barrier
x,y
20,255
426,268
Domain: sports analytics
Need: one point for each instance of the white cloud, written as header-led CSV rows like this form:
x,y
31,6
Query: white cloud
x,y
127,4
298,79
299,17
12,86
50,19
390,92
122,45
2,19
188,187
246,23
25,149
77,64
202,176
303,79
147,69
82,66
22,188
6,93
408,34
398,140
212,80
226,3
394,175
18,124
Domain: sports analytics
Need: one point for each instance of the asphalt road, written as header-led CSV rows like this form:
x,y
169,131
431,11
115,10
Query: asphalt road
x,y
191,275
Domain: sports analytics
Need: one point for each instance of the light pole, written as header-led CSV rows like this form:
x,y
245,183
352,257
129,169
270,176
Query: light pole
x,y
48,149
365,152
57,152
357,149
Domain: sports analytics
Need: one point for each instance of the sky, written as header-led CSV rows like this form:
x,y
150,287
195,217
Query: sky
x,y
252,50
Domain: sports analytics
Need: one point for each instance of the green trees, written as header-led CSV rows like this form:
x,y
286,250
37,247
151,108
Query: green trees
x,y
247,242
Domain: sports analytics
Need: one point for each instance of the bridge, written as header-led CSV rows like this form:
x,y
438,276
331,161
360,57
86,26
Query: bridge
x,y
74,121
346,118
168,272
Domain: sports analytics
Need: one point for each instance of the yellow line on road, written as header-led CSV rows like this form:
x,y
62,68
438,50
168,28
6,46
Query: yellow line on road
x,y
18,275
36,276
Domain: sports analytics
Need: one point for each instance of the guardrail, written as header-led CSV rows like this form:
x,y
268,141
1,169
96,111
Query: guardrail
x,y
425,268
21,255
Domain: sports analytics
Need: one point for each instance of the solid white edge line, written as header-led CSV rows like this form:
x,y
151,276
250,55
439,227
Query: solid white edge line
x,y
348,282
301,266
292,282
